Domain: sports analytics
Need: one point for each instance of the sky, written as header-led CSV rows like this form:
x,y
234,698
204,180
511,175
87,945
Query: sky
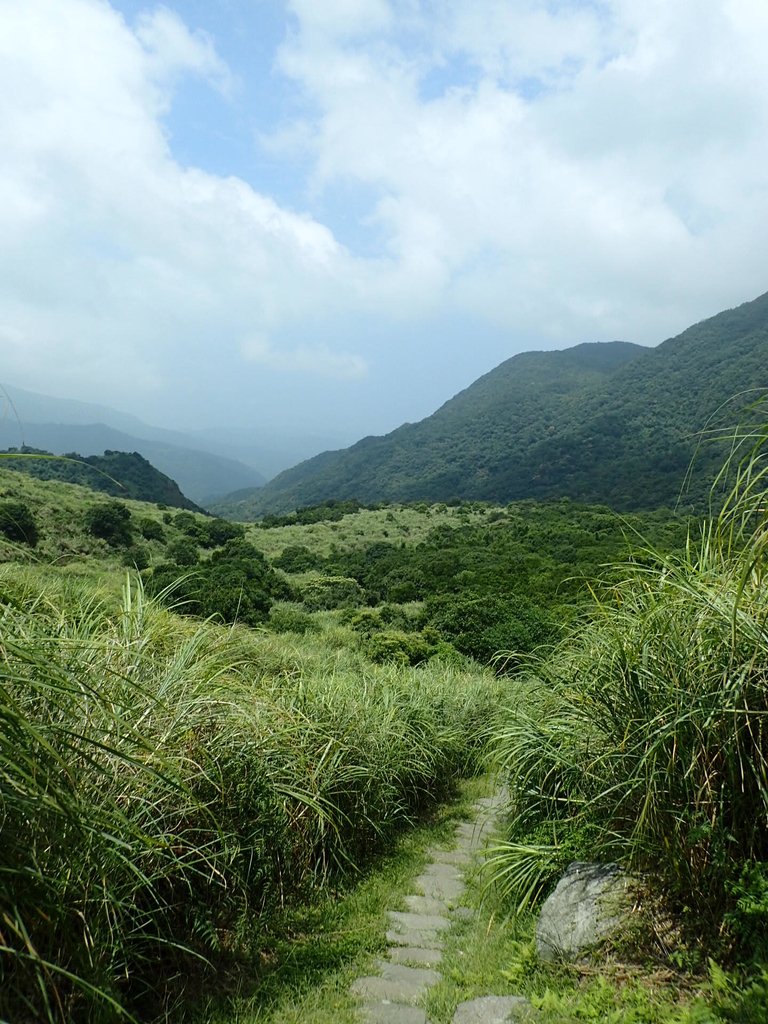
x,y
329,216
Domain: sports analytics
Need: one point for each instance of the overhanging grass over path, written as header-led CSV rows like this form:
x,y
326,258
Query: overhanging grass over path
x,y
168,785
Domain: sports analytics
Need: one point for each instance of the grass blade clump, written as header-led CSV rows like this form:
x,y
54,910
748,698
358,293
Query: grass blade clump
x,y
166,786
643,737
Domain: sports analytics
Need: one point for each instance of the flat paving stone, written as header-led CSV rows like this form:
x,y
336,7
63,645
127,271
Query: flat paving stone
x,y
392,1013
459,857
441,881
426,905
418,922
396,984
494,1010
473,834
408,976
424,940
418,955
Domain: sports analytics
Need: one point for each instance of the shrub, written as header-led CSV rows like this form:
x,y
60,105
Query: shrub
x,y
486,627
189,525
150,529
236,584
110,521
324,592
297,558
136,557
291,618
214,532
402,648
183,552
365,621
18,523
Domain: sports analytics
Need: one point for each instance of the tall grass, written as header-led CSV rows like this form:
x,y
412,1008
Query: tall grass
x,y
166,786
643,737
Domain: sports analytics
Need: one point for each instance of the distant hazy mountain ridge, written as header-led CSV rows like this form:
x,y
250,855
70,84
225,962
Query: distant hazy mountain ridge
x,y
63,425
614,423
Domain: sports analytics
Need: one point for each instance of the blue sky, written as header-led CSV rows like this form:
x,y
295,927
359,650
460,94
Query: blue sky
x,y
330,217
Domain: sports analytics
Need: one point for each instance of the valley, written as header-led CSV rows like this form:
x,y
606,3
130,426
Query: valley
x,y
244,730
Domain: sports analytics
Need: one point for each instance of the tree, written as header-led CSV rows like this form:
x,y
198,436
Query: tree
x,y
484,626
151,529
236,584
18,523
183,552
110,521
297,558
215,532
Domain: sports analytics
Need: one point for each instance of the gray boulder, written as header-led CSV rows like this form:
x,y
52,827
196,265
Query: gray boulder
x,y
588,906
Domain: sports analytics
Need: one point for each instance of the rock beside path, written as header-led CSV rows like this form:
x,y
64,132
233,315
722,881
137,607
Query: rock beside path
x,y
589,904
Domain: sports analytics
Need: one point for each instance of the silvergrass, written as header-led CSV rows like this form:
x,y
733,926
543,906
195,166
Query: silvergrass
x,y
166,786
643,737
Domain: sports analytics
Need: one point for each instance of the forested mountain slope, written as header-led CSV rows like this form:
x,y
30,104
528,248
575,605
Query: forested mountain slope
x,y
436,458
613,423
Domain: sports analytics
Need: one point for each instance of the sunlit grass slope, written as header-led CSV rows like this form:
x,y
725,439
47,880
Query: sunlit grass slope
x,y
167,785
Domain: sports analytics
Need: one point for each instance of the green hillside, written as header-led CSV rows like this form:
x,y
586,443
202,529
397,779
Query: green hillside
x,y
612,423
121,474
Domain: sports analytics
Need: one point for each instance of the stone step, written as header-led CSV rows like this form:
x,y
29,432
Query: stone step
x,y
420,956
396,983
426,905
406,921
461,857
494,1010
412,938
392,1013
441,882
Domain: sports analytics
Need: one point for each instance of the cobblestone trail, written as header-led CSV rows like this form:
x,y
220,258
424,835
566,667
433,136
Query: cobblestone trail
x,y
394,995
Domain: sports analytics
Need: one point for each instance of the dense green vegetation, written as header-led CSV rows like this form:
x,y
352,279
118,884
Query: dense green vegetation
x,y
486,579
195,782
207,775
18,523
641,738
403,581
121,474
610,423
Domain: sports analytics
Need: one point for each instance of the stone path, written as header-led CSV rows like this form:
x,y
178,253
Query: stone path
x,y
416,936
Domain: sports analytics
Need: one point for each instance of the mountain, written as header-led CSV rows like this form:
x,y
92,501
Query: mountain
x,y
613,423
63,425
121,474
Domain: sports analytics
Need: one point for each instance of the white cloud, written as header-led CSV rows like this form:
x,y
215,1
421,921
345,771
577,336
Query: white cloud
x,y
546,173
172,49
597,158
122,272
